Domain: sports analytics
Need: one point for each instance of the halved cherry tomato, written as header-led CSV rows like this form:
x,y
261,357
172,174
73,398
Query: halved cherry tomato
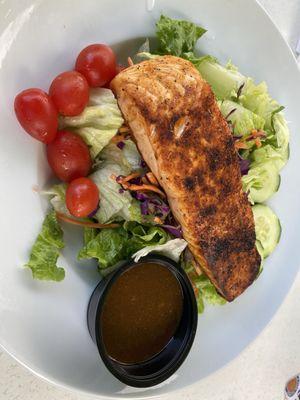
x,y
70,93
37,114
82,197
97,63
69,156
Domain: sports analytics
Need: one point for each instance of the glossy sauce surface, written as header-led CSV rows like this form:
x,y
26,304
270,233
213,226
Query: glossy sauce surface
x,y
141,313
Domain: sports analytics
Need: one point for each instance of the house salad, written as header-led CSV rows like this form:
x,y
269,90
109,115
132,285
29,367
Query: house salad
x,y
104,184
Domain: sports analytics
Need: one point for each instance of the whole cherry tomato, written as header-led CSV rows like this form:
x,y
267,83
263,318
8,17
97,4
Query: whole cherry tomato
x,y
70,93
37,114
82,197
97,63
69,156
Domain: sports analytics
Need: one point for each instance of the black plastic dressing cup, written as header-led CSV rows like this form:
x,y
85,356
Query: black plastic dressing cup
x,y
162,365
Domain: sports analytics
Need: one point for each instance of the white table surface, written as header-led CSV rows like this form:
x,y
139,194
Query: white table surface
x,y
261,371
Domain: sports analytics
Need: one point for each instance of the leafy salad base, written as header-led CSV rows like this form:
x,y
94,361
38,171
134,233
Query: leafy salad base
x,y
257,124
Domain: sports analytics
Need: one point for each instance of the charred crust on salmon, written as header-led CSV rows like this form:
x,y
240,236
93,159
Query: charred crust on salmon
x,y
186,142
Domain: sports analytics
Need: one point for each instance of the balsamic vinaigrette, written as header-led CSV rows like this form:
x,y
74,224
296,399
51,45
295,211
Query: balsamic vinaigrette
x,y
141,313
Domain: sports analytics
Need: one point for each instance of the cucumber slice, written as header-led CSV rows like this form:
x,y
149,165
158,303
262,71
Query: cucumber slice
x,y
261,182
267,229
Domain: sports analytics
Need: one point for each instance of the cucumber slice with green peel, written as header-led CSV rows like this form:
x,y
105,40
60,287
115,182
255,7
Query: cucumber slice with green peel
x,y
267,229
261,182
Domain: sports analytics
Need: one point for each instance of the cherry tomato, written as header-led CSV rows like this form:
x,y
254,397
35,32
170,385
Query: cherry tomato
x,y
37,114
82,197
70,93
97,63
69,156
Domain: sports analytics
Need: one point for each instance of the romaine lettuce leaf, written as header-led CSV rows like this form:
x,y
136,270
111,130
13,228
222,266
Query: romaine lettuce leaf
x,y
129,157
172,249
146,235
116,203
177,37
45,251
257,99
278,156
207,291
99,121
243,120
109,246
57,195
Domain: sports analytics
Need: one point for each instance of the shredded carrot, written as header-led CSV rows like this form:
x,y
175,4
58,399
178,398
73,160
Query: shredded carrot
x,y
129,177
257,142
240,145
130,62
152,179
124,129
255,133
157,220
196,290
197,269
118,138
150,188
125,185
85,224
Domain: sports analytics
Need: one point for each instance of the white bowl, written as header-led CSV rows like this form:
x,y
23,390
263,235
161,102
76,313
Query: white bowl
x,y
43,325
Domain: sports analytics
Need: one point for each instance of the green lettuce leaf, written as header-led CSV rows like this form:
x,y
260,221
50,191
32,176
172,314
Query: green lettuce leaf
x,y
114,202
99,121
109,246
208,292
190,56
57,195
146,235
129,157
177,37
278,156
243,120
257,99
172,249
45,251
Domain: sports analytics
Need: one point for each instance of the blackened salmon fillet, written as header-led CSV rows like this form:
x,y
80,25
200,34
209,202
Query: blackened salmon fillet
x,y
189,147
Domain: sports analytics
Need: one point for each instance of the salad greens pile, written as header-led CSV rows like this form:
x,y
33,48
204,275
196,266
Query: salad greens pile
x,y
262,140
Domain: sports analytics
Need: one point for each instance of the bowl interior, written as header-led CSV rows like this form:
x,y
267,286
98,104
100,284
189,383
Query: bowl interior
x,y
44,325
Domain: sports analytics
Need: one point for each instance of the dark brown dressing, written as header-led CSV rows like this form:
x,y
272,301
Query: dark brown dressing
x,y
141,313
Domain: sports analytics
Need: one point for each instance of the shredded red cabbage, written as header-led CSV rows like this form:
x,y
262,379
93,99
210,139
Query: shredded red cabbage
x,y
244,166
121,145
143,164
93,212
136,181
237,137
173,230
119,178
140,196
144,207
